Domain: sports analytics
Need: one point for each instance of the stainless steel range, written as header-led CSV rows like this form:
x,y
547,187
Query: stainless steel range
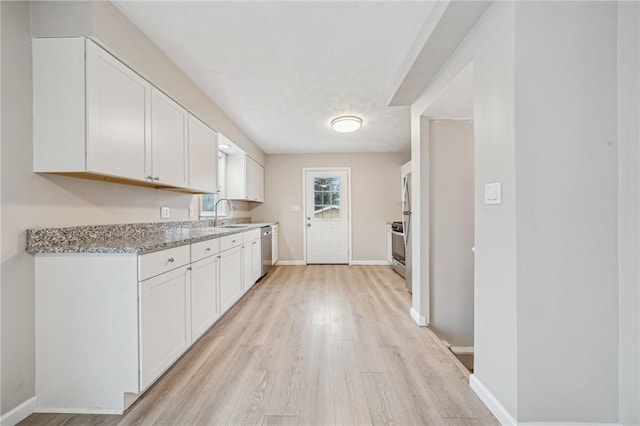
x,y
398,249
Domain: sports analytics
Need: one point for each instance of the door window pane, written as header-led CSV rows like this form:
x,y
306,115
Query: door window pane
x,y
327,198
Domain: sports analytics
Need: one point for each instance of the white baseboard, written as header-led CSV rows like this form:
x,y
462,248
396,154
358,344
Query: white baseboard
x,y
462,350
566,424
370,262
18,414
290,263
492,403
422,321
77,410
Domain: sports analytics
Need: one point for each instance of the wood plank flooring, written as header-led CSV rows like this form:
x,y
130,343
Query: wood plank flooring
x,y
310,345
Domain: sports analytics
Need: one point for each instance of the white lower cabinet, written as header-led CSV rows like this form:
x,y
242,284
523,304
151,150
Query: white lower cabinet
x,y
231,288
252,266
108,325
165,322
205,308
274,243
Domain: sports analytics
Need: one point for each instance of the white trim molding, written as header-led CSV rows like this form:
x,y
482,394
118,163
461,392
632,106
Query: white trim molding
x,y
370,262
492,403
566,424
422,321
291,263
19,413
505,418
462,350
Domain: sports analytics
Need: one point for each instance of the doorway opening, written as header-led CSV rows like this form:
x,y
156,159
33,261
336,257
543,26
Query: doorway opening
x,y
451,216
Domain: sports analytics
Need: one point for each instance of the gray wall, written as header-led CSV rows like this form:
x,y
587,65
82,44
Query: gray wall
x,y
629,210
451,216
489,48
556,326
566,197
375,187
30,200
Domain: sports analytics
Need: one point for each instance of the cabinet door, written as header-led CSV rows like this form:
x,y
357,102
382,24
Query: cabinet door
x,y
118,102
254,180
204,295
203,157
230,277
165,319
247,267
274,246
168,140
256,260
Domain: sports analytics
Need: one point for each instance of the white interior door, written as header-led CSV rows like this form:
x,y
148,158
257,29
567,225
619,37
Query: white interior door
x,y
327,216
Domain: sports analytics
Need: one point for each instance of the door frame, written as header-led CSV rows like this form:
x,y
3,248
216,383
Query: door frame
x,y
304,207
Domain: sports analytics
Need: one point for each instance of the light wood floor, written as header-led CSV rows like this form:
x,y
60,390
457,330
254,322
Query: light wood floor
x,y
310,345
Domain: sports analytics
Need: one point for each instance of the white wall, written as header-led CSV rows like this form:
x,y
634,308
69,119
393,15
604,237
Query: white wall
x,y
451,217
375,192
30,200
629,210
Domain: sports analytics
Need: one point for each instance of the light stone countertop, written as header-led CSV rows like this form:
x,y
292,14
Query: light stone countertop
x,y
140,238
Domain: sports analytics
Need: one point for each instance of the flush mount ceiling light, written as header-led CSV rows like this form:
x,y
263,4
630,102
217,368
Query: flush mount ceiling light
x,y
346,123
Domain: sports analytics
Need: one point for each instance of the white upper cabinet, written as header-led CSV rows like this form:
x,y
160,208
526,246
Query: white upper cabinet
x,y
169,123
245,178
203,156
96,118
117,110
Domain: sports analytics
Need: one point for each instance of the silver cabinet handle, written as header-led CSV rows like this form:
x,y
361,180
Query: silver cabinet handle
x,y
233,241
207,249
308,225
189,268
156,178
171,259
254,242
149,177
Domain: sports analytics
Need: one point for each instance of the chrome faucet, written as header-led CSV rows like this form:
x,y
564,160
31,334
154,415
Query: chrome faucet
x,y
215,209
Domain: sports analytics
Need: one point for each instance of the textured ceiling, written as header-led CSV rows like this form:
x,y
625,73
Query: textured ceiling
x,y
283,70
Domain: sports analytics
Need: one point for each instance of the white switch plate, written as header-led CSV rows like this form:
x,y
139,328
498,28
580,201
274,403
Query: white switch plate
x,y
295,208
165,212
493,193
192,211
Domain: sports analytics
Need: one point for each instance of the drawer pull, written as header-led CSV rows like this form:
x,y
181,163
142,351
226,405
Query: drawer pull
x,y
254,242
171,259
207,249
233,241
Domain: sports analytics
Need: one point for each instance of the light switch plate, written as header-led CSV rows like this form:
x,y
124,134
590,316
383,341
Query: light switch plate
x,y
493,193
295,208
165,212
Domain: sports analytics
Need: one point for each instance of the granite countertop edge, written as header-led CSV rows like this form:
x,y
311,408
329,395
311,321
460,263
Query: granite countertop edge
x,y
143,244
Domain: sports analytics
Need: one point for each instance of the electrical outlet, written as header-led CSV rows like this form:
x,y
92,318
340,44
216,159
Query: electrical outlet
x,y
192,211
165,212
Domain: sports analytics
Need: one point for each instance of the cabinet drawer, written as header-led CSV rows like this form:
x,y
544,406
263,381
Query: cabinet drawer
x,y
204,249
152,264
230,241
252,235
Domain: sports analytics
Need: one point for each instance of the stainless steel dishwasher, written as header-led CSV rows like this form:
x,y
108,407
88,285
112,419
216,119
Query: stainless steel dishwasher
x,y
266,249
